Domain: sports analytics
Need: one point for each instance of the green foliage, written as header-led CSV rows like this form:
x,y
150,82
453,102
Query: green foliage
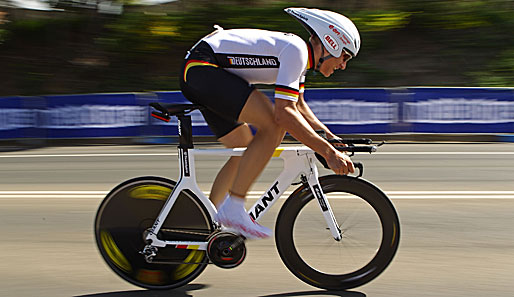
x,y
44,31
135,33
377,21
499,73
141,32
3,35
479,32
406,42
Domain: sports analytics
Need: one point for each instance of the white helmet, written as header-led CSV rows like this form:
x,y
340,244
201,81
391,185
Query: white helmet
x,y
335,31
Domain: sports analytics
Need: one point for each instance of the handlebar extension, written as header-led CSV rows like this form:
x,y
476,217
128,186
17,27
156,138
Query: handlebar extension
x,y
350,141
358,149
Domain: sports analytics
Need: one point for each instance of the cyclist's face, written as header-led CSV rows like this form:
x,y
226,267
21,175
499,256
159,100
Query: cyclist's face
x,y
328,67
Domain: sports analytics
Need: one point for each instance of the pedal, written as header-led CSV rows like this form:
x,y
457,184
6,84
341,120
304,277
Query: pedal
x,y
226,249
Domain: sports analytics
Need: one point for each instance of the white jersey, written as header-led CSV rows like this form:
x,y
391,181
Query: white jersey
x,y
263,57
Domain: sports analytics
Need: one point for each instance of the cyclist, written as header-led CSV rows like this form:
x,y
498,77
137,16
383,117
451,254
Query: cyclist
x,y
219,73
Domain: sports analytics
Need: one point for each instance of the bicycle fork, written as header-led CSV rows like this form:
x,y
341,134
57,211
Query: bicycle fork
x,y
317,191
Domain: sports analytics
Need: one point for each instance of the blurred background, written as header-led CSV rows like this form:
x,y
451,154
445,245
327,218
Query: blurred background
x,y
86,46
73,70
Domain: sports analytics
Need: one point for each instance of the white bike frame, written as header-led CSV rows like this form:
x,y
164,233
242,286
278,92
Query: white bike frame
x,y
298,161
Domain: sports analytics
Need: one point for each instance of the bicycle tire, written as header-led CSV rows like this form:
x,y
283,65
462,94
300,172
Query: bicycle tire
x,y
344,193
129,210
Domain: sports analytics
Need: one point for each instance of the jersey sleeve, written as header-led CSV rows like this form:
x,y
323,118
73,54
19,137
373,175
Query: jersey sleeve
x,y
293,61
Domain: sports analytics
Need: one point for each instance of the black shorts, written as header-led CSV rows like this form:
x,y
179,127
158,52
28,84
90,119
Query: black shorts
x,y
222,93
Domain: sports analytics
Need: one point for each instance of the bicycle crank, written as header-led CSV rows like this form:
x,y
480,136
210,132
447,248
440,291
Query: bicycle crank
x,y
226,249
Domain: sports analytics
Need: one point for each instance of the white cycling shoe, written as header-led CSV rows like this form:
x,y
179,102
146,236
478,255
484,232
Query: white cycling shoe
x,y
233,216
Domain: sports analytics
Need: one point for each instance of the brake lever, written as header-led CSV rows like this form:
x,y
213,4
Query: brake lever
x,y
360,166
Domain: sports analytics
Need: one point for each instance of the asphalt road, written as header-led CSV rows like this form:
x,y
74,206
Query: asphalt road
x,y
455,201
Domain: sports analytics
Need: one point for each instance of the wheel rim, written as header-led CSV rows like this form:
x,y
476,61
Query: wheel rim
x,y
332,274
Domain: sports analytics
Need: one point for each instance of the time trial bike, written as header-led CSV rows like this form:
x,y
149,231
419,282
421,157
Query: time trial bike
x,y
333,232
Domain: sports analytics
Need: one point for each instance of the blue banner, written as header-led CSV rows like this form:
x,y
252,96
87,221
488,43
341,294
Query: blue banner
x,y
354,111
458,110
20,117
96,115
344,111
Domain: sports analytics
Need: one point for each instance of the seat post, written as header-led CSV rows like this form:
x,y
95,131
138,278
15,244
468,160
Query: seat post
x,y
185,131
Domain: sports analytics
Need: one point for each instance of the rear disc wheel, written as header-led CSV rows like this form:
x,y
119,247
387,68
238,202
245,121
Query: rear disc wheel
x,y
123,219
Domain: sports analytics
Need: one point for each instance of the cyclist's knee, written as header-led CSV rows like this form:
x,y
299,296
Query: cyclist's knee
x,y
273,132
259,112
239,137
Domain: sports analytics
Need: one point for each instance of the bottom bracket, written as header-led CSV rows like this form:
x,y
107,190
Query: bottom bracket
x,y
226,249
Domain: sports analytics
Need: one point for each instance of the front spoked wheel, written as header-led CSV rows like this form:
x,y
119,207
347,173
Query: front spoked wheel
x,y
121,225
369,227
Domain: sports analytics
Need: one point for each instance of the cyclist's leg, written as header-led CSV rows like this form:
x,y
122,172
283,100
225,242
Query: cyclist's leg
x,y
259,112
239,137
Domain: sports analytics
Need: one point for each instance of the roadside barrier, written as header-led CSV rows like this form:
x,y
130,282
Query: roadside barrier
x,y
345,111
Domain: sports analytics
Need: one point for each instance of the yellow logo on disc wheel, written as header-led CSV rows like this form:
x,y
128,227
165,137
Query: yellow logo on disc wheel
x,y
113,252
150,192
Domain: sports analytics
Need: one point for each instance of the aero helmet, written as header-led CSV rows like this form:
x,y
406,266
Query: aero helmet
x,y
335,31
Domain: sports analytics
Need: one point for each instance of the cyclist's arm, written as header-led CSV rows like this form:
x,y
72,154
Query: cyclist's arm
x,y
311,118
289,117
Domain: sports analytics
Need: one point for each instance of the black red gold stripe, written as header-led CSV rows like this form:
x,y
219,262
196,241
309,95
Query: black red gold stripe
x,y
192,63
285,92
310,60
188,247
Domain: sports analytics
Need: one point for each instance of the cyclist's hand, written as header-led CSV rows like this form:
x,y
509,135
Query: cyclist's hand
x,y
340,163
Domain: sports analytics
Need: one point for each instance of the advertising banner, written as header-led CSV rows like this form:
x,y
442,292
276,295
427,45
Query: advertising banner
x,y
93,115
19,117
344,111
353,111
458,110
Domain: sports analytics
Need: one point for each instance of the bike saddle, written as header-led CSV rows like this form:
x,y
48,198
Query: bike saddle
x,y
167,110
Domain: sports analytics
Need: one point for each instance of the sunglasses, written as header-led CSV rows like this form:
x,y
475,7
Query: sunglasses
x,y
347,55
